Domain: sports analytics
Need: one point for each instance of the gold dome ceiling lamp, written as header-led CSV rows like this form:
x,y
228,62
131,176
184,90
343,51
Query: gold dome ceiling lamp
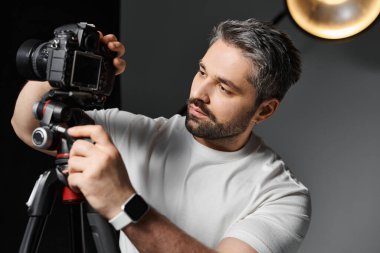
x,y
333,19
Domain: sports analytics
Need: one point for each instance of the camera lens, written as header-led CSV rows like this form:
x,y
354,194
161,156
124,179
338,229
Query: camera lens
x,y
31,60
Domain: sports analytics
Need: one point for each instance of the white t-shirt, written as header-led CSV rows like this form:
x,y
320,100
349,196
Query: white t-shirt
x,y
249,194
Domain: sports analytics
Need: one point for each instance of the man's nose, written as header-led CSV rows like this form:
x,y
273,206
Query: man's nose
x,y
202,90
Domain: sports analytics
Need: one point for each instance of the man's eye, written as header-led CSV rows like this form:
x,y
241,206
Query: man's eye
x,y
202,73
223,89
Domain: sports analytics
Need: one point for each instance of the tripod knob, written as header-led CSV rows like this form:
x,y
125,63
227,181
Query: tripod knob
x,y
42,137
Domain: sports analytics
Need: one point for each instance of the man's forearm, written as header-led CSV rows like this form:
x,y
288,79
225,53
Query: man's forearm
x,y
23,120
156,234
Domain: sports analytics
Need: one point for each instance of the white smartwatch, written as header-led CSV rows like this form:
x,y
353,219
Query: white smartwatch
x,y
132,211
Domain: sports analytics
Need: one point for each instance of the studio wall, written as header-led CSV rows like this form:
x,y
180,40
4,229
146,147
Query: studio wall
x,y
327,127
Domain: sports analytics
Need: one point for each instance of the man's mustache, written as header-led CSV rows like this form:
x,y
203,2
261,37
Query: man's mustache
x,y
201,105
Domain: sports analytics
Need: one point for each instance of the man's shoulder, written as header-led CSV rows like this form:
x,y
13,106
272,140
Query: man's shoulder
x,y
275,171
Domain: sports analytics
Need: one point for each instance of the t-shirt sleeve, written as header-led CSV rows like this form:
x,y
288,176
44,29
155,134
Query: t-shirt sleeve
x,y
124,126
279,225
132,134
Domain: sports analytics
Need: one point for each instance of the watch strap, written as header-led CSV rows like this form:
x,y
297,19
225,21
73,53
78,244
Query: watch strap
x,y
121,219
132,211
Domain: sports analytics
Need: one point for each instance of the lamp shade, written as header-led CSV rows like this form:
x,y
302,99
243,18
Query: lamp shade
x,y
334,19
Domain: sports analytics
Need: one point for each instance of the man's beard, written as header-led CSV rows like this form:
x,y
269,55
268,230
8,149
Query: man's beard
x,y
211,129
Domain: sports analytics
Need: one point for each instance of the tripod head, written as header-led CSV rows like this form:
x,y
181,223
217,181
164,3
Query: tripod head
x,y
57,111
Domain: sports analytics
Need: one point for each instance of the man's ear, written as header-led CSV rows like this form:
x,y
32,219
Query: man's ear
x,y
265,110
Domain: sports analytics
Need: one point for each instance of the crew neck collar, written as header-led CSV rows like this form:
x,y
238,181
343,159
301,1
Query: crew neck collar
x,y
251,146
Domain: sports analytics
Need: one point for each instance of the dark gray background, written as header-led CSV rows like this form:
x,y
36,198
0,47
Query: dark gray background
x,y
20,164
327,128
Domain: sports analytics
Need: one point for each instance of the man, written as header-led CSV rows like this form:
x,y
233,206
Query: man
x,y
211,184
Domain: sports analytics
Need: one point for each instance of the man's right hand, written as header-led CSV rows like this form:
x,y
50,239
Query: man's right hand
x,y
114,45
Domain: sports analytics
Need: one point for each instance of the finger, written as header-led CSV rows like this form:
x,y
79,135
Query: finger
x,y
95,132
74,180
81,148
120,65
117,47
77,164
108,38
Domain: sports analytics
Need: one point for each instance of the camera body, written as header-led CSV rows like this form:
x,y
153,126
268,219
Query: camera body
x,y
74,60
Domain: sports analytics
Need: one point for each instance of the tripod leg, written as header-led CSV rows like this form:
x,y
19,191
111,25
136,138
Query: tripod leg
x,y
105,237
32,235
90,235
40,204
77,235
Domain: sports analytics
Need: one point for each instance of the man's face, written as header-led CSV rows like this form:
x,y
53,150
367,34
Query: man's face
x,y
221,102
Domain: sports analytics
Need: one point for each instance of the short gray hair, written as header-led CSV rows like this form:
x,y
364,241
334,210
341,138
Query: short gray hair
x,y
275,59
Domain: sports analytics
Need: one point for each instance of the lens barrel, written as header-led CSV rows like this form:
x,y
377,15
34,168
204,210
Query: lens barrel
x,y
30,62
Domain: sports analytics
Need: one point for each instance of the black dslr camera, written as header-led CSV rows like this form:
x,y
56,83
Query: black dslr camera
x,y
74,60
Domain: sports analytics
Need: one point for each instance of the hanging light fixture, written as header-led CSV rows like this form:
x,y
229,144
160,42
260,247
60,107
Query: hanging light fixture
x,y
334,19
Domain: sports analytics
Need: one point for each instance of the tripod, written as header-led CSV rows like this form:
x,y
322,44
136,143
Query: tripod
x,y
56,115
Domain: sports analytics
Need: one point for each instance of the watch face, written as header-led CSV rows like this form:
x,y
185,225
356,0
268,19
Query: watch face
x,y
136,208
